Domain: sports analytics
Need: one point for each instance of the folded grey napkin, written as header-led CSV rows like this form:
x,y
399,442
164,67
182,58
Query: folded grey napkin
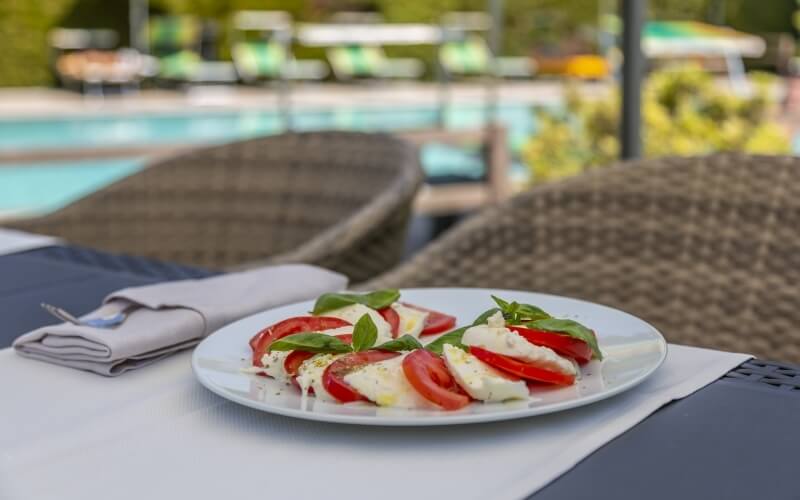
x,y
168,317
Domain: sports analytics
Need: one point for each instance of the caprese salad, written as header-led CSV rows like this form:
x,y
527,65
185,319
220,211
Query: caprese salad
x,y
373,347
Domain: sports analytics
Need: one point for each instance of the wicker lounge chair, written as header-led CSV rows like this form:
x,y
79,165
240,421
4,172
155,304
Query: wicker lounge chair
x,y
707,249
336,199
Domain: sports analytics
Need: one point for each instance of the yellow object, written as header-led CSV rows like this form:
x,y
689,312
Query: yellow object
x,y
589,67
584,66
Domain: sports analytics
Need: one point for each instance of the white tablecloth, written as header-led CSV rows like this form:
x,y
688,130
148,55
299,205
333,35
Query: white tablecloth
x,y
156,433
13,241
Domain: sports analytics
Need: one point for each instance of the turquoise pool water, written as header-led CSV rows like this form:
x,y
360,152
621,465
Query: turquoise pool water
x,y
197,127
44,187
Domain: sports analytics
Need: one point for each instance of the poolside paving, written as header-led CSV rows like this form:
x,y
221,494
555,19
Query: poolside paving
x,y
51,103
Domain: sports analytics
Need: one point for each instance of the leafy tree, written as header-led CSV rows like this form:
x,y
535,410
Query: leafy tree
x,y
685,112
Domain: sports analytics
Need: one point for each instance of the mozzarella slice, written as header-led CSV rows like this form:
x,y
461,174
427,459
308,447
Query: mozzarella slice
x,y
273,365
412,321
273,361
480,380
342,330
495,337
309,375
385,384
353,313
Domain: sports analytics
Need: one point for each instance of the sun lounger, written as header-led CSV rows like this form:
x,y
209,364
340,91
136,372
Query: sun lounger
x,y
269,56
176,42
364,61
89,60
465,52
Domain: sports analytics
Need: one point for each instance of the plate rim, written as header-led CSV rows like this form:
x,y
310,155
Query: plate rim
x,y
446,418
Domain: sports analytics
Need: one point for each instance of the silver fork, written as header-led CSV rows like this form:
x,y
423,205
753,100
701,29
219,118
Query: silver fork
x,y
110,321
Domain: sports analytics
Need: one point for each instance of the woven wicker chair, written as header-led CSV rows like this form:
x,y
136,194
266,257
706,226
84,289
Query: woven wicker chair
x,y
707,249
335,199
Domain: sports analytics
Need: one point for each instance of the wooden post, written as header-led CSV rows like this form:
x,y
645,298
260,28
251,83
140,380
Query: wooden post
x,y
497,161
448,199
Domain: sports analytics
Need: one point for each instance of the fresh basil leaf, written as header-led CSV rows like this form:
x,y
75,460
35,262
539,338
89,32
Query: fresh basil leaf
x,y
484,317
310,342
515,313
375,300
330,302
528,312
404,343
365,333
571,328
453,338
504,306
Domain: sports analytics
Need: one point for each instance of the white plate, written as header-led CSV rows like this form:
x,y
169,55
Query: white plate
x,y
632,349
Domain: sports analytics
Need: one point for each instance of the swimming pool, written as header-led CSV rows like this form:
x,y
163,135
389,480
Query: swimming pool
x,y
208,127
42,187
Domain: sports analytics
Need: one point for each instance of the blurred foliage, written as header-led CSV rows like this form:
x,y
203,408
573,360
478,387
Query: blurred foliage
x,y
23,30
685,112
757,17
25,54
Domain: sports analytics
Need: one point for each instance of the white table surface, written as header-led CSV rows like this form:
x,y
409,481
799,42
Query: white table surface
x,y
156,433
13,241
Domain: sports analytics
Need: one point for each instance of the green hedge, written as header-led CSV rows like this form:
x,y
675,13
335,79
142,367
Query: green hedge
x,y
24,50
23,39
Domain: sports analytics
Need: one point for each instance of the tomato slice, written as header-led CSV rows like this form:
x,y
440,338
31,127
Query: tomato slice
x,y
428,374
436,322
293,361
262,340
333,377
257,338
524,370
561,344
391,317
295,358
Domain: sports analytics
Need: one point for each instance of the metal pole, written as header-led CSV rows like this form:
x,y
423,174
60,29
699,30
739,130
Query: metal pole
x,y
495,46
717,12
286,37
137,22
633,66
443,78
285,102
